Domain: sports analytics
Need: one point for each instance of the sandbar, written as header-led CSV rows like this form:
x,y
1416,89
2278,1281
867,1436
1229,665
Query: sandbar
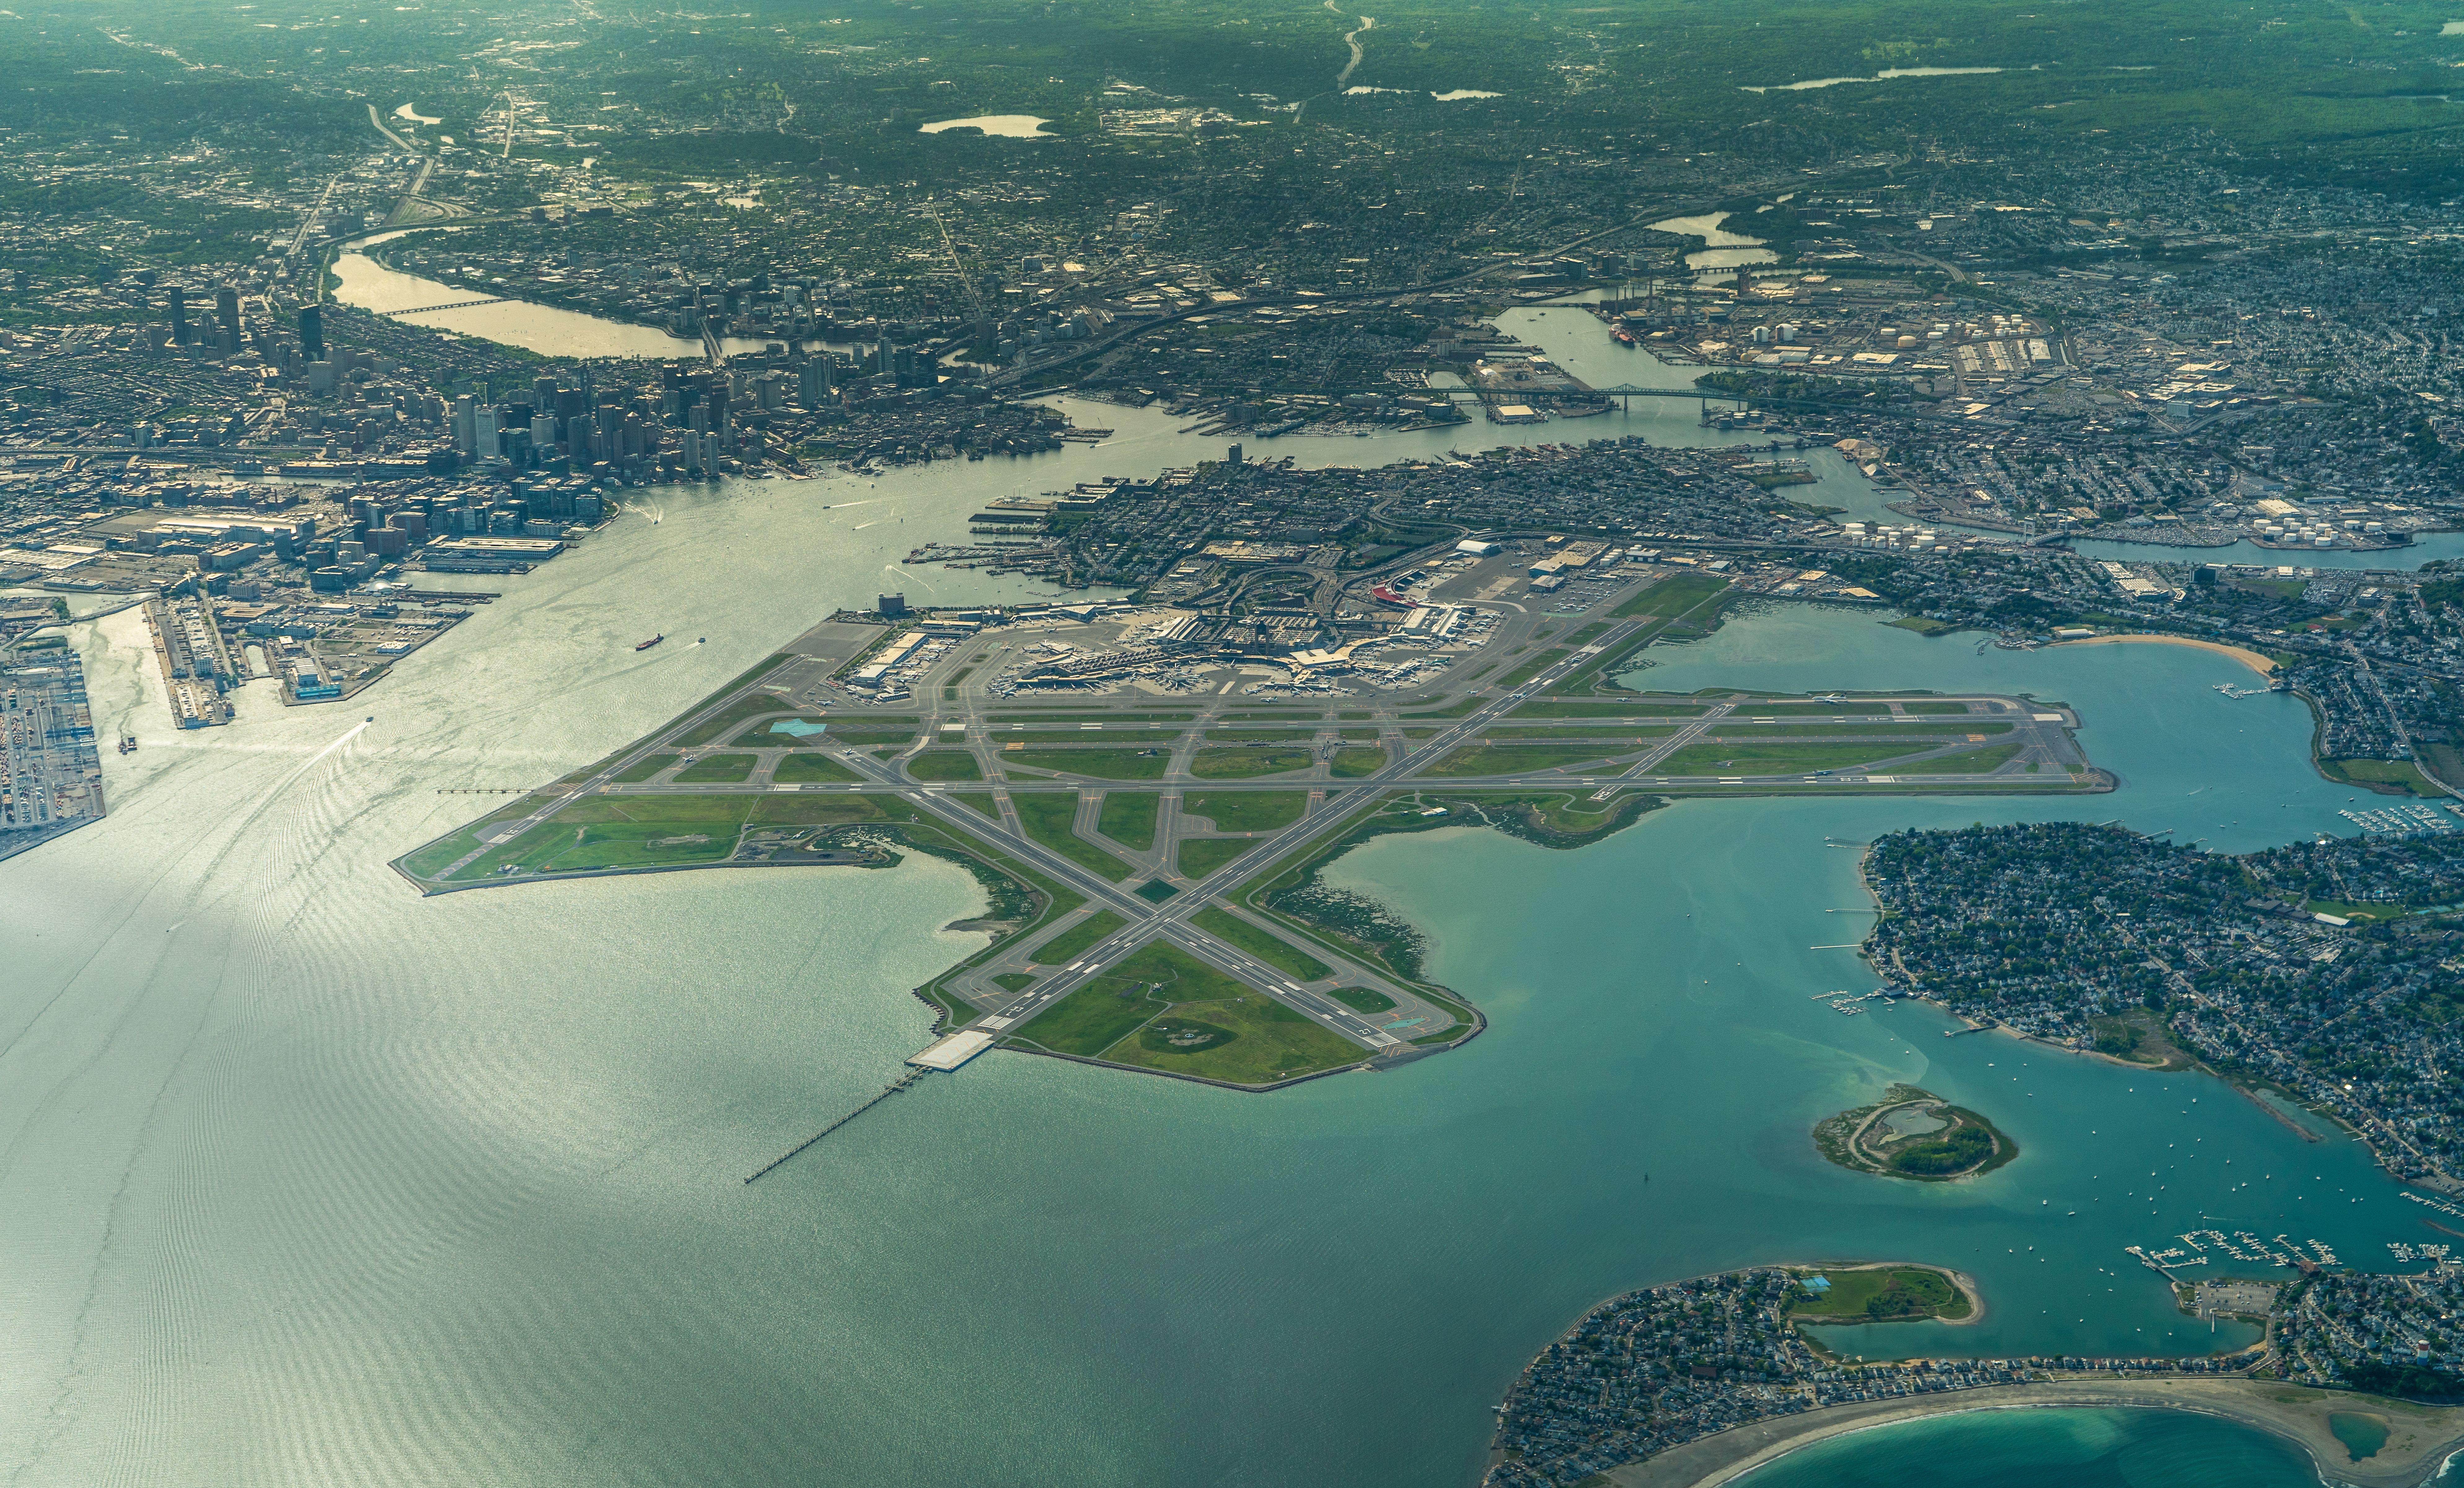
x,y
2242,654
2419,1437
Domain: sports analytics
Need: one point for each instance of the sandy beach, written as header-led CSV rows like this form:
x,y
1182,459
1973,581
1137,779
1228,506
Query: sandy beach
x,y
2242,654
2419,1437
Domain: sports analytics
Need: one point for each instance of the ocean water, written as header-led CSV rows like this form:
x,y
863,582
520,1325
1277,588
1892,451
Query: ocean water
x,y
2047,1448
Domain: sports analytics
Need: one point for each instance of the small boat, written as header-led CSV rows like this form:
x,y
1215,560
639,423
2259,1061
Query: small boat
x,y
653,640
127,743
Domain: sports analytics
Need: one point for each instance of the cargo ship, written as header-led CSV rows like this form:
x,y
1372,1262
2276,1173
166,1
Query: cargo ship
x,y
653,640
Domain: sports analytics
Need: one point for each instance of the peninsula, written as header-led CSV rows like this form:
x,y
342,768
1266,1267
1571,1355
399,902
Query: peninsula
x,y
1148,805
2321,969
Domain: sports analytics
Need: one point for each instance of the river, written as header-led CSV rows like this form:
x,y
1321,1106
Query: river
x,y
370,285
311,1180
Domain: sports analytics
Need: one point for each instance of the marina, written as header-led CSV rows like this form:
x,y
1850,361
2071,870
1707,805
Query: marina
x,y
2410,820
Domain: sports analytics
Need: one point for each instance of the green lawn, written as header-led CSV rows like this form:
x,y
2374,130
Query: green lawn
x,y
1895,1292
1250,1039
2401,774
1350,764
1015,981
1363,999
1233,930
734,715
1974,761
1247,811
1896,729
631,844
1672,596
1118,738
1776,757
945,764
1047,815
811,767
1512,758
717,770
1560,707
1163,1009
1457,710
1129,817
643,768
1533,668
1236,763
564,843
1103,764
1201,856
431,859
980,802
1092,716
1640,733
1104,1011
1852,708
1072,942
856,736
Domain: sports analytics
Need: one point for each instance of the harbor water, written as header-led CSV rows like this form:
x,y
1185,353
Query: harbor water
x,y
311,1180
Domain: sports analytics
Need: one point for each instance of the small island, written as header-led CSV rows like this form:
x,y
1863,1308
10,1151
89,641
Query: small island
x,y
1912,1134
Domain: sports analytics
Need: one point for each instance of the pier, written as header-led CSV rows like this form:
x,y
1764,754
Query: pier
x,y
902,1083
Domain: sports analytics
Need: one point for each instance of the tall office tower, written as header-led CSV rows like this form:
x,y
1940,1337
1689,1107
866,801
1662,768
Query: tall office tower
x,y
813,380
179,332
227,318
312,330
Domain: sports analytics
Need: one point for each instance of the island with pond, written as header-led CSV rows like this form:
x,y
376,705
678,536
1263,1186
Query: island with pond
x,y
1915,1134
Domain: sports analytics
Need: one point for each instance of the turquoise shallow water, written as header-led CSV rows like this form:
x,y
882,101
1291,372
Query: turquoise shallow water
x,y
2049,1448
305,1179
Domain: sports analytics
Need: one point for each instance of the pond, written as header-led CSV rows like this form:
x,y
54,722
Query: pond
x,y
1914,1121
1008,126
2361,1433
